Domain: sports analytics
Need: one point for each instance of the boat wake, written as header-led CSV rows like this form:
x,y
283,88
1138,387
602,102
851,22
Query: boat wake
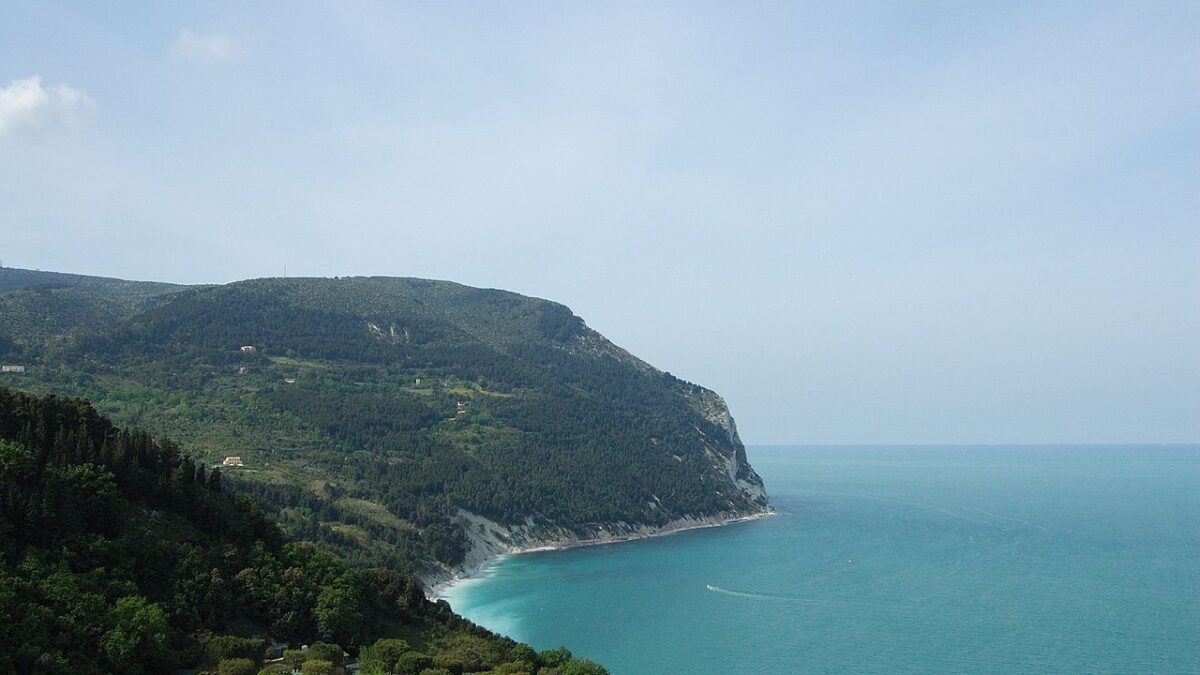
x,y
866,602
761,596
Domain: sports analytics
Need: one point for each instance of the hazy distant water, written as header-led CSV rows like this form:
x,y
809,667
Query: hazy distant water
x,y
893,560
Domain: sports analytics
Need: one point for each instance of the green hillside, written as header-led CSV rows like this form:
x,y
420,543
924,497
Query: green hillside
x,y
120,554
38,308
374,414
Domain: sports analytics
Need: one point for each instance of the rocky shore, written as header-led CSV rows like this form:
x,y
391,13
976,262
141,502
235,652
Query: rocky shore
x,y
491,540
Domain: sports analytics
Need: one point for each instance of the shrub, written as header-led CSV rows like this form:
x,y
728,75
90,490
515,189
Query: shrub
x,y
293,657
456,663
412,663
525,653
554,658
381,656
237,667
513,668
323,651
224,647
317,667
582,667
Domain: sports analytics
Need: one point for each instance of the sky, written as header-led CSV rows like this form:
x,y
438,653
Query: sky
x,y
905,222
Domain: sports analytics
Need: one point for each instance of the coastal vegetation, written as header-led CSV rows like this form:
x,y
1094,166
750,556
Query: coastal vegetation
x,y
121,553
371,415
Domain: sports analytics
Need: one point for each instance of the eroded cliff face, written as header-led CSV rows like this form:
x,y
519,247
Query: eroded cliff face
x,y
594,345
729,453
732,455
489,539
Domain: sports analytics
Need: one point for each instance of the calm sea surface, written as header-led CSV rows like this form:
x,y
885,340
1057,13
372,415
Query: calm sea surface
x,y
1077,559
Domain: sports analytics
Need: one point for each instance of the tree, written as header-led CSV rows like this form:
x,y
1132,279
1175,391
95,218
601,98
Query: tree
x,y
138,638
324,651
381,657
214,480
339,611
293,658
525,654
555,658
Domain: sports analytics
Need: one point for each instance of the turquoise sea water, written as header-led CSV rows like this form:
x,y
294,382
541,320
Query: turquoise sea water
x,y
1079,559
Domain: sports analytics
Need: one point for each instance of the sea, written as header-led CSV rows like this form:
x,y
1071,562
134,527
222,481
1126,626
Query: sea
x,y
947,559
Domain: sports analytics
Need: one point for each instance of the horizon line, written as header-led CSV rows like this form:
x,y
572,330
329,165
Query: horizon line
x,y
989,444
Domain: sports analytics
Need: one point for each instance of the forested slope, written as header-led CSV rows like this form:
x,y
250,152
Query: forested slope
x,y
371,413
120,554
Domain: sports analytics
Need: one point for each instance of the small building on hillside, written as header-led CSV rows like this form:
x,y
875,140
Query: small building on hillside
x,y
248,348
12,369
232,461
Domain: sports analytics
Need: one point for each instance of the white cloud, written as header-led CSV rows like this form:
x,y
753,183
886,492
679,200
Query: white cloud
x,y
28,107
205,50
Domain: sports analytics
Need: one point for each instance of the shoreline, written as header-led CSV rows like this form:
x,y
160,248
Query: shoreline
x,y
437,589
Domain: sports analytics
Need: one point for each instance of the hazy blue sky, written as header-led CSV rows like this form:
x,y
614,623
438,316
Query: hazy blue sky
x,y
860,222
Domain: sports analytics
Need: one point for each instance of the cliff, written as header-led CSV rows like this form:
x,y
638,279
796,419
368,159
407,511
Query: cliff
x,y
489,539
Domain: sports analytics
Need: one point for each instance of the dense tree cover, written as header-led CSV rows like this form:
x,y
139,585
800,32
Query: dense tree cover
x,y
40,307
13,279
120,554
371,410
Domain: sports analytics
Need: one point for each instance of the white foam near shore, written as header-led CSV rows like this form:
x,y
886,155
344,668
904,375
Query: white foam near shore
x,y
498,617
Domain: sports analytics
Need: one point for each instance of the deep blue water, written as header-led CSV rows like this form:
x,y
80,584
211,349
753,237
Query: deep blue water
x,y
1078,559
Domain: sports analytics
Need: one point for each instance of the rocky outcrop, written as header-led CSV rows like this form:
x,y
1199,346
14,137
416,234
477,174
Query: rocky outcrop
x,y
594,345
713,408
708,403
